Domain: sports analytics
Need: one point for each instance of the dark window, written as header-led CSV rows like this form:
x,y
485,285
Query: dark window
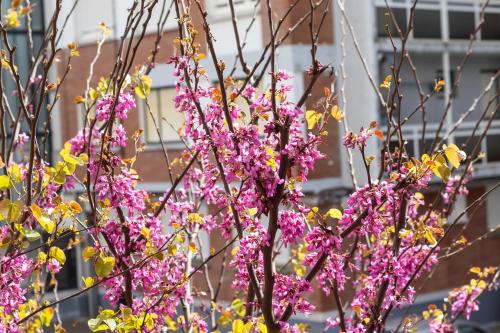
x,y
491,26
440,76
491,98
468,144
493,148
427,24
18,38
409,149
385,22
461,24
66,278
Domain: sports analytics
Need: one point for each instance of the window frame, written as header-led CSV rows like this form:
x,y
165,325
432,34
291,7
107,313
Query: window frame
x,y
143,123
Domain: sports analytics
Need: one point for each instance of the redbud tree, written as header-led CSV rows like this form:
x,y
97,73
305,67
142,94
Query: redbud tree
x,y
249,148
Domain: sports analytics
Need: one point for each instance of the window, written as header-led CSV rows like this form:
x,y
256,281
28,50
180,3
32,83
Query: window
x,y
81,116
163,113
427,24
491,26
493,148
220,8
88,19
462,17
486,76
461,24
384,21
19,38
67,276
440,76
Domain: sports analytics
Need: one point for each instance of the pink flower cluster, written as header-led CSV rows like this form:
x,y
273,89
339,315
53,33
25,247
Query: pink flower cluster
x,y
13,271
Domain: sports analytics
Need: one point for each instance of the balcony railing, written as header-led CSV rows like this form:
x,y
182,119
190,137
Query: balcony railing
x,y
487,166
441,19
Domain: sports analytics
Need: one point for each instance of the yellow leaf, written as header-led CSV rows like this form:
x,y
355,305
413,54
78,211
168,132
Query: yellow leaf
x,y
88,253
387,82
195,218
312,118
475,270
15,173
430,237
104,265
172,250
238,326
442,172
438,85
426,315
453,154
88,281
334,213
199,56
58,254
5,182
104,29
336,113
252,211
144,87
12,19
238,305
78,99
46,316
271,161
192,247
403,233
262,327
357,310
44,221
75,206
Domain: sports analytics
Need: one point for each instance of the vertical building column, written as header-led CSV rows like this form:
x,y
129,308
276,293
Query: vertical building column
x,y
363,105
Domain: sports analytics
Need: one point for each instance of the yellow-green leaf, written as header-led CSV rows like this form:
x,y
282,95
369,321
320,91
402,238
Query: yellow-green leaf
x,y
46,316
144,87
15,173
336,113
5,182
58,254
430,237
104,265
453,154
32,235
44,221
387,82
238,305
334,213
312,118
88,253
88,281
238,326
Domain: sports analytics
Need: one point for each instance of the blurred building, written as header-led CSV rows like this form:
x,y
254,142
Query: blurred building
x,y
437,46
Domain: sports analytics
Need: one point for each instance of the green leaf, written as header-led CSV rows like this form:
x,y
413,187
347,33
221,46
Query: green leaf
x,y
97,325
104,265
32,235
111,324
